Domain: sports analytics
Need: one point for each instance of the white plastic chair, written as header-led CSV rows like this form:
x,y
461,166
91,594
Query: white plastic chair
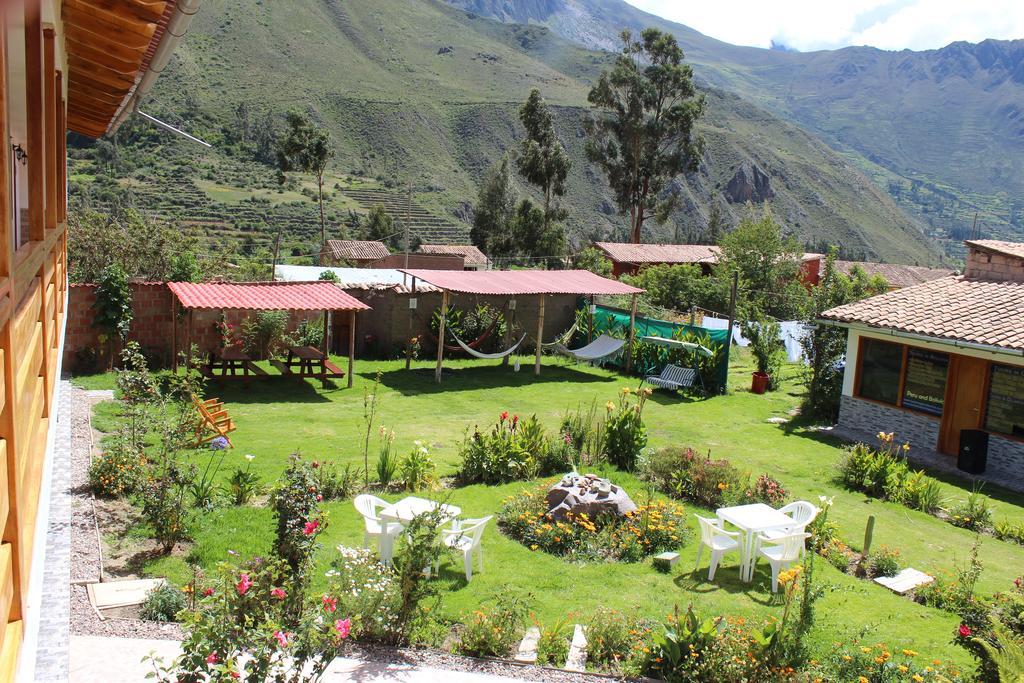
x,y
802,512
384,533
718,540
781,552
465,537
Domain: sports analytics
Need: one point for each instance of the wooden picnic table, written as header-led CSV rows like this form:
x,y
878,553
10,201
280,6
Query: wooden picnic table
x,y
229,361
308,360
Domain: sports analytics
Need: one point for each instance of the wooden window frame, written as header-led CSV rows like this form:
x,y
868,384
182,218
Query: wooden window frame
x,y
903,378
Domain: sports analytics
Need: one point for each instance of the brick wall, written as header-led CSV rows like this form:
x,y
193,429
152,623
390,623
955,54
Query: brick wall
x,y
151,320
985,265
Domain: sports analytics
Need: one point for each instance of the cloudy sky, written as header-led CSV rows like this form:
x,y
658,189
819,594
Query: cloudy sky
x,y
824,24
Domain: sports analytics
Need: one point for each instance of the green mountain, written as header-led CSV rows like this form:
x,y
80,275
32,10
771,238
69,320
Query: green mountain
x,y
418,91
941,130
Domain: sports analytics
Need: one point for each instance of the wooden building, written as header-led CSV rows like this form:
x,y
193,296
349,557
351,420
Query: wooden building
x,y
65,65
941,364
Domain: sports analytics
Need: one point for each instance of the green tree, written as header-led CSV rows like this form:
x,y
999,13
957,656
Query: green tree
x,y
769,268
492,215
378,225
542,159
533,238
644,135
680,287
113,306
594,260
306,149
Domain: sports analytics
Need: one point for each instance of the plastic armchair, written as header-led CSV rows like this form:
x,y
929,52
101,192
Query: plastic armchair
x,y
465,536
718,540
802,512
384,533
781,552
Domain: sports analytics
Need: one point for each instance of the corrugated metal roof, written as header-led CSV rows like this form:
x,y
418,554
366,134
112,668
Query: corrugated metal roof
x,y
952,308
627,252
353,278
522,282
360,250
472,255
265,296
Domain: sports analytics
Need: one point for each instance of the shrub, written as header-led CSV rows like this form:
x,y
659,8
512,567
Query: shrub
x,y
417,469
885,562
764,335
368,593
244,484
975,513
1005,530
553,645
883,472
650,529
334,482
163,603
683,473
767,490
117,472
419,547
956,593
625,433
877,663
610,637
1008,608
262,333
514,449
387,460
495,628
299,519
837,554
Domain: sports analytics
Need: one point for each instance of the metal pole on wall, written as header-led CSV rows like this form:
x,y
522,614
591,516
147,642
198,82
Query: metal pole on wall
x,y
174,333
632,333
540,335
440,336
732,319
590,320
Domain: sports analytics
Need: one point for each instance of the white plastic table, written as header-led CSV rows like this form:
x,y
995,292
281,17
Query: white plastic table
x,y
751,520
405,510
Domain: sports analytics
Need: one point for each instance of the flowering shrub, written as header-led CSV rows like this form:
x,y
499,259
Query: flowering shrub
x,y
650,529
768,490
334,482
956,594
883,472
367,593
975,513
257,613
495,628
885,562
117,472
296,505
1008,608
877,663
553,644
417,469
513,449
624,432
614,639
837,554
1005,530
163,603
684,473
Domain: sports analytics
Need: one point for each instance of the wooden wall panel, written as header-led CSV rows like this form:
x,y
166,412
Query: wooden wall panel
x,y
6,581
5,503
9,650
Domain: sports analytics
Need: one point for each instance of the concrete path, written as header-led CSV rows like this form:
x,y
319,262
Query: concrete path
x,y
119,660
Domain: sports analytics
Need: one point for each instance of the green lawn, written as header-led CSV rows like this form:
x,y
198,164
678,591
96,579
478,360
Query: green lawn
x,y
276,418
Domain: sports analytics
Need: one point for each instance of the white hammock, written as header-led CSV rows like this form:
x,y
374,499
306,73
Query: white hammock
x,y
602,347
563,340
489,356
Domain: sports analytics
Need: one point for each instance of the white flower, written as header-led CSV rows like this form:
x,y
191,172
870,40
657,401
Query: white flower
x,y
250,457
826,502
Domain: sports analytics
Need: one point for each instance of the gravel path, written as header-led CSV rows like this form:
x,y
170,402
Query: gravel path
x,y
86,568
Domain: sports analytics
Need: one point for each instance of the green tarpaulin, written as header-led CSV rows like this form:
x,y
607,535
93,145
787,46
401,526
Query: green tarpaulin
x,y
616,322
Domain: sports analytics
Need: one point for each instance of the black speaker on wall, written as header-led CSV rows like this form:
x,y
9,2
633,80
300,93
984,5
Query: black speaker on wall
x,y
973,451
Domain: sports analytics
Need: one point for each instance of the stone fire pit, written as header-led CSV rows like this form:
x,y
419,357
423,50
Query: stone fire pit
x,y
588,494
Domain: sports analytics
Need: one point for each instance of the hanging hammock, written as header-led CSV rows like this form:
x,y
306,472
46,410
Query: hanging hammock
x,y
602,347
489,356
484,336
560,342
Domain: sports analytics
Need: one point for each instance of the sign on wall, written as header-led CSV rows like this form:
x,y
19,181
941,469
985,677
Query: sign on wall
x,y
925,387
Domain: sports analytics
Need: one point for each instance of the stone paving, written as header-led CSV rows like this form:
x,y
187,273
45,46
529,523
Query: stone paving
x,y
55,616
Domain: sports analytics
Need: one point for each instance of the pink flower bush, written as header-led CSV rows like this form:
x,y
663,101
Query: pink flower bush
x,y
310,527
207,592
278,593
244,584
282,638
965,631
343,627
212,658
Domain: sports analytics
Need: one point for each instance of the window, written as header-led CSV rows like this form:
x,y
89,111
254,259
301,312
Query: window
x,y
1005,411
881,365
925,385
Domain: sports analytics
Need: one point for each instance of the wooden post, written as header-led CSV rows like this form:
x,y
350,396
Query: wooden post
x,y
732,319
51,133
351,345
508,332
590,320
408,326
540,335
440,336
632,334
174,333
325,342
36,142
188,333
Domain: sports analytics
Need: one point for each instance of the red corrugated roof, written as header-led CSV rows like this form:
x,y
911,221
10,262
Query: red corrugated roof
x,y
265,296
513,282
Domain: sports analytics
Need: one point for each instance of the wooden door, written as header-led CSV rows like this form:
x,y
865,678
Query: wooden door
x,y
964,400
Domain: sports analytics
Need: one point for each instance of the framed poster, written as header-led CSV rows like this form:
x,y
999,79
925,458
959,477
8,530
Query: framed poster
x,y
925,387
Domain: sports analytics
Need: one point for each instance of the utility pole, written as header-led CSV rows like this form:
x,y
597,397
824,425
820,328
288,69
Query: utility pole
x,y
408,218
974,228
277,250
732,320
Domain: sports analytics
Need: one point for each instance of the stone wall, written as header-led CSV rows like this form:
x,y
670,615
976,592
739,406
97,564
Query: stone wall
x,y
1005,461
861,420
986,265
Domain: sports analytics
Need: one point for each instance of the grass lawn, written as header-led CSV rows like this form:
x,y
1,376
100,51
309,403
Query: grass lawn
x,y
276,418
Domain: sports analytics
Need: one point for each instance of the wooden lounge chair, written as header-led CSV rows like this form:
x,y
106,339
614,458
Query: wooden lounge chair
x,y
214,421
674,378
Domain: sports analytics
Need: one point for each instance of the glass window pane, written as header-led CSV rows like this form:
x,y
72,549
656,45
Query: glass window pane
x,y
880,366
925,388
1005,412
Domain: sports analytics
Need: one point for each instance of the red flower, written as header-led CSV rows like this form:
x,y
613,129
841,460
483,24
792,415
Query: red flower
x,y
319,498
504,415
243,584
278,593
515,420
310,527
1017,582
330,604
965,630
207,592
282,638
235,675
343,626
212,658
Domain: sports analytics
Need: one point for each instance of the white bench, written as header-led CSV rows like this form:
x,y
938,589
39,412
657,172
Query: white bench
x,y
674,377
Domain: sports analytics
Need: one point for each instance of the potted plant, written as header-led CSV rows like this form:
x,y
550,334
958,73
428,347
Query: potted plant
x,y
764,344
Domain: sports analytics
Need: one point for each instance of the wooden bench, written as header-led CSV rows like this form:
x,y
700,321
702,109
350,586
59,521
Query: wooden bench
x,y
214,421
674,378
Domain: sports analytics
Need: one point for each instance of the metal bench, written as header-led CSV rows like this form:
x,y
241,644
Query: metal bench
x,y
674,378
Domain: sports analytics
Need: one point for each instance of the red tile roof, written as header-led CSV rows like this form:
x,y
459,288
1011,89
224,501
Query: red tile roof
x,y
265,296
513,282
471,254
358,250
952,308
627,252
1015,249
895,274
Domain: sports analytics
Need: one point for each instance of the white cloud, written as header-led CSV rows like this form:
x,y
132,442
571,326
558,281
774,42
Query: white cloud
x,y
815,25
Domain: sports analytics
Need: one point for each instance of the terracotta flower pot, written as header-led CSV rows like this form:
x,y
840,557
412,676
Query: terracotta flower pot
x,y
759,383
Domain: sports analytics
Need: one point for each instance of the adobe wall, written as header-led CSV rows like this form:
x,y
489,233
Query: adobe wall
x,y
986,265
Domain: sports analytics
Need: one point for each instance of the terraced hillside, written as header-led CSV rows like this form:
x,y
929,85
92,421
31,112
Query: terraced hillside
x,y
430,228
